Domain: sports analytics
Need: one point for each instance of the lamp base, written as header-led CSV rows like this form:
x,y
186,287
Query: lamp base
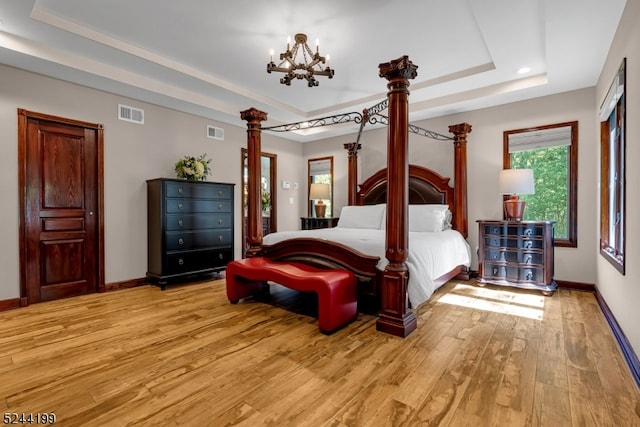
x,y
514,208
321,210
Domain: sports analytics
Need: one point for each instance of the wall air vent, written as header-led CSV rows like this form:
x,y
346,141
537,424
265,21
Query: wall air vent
x,y
214,132
130,114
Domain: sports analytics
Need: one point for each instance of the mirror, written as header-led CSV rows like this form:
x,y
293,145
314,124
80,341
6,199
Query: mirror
x,y
268,193
320,171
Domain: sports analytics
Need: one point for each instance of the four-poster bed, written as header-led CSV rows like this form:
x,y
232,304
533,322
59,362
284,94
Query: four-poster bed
x,y
397,186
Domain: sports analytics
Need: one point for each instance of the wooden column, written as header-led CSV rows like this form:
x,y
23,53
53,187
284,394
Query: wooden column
x,y
254,204
395,317
460,219
352,172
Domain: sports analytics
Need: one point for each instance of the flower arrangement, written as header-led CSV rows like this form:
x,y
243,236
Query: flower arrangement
x,y
265,199
193,168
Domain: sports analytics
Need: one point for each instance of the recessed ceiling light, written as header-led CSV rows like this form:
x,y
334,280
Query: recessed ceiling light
x,y
524,70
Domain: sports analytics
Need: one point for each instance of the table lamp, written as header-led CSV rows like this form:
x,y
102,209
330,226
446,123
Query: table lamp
x,y
318,192
513,182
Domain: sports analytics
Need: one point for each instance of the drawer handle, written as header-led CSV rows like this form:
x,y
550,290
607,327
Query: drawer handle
x,y
180,241
219,192
527,232
180,190
221,237
221,256
528,260
529,275
528,244
180,206
180,222
220,205
181,261
496,230
220,221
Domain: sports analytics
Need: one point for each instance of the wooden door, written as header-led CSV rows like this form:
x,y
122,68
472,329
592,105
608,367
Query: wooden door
x,y
60,179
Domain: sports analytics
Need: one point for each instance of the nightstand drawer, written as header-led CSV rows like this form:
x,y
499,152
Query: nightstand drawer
x,y
512,242
518,257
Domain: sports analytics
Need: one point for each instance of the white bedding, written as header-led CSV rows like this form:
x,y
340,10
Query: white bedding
x,y
431,254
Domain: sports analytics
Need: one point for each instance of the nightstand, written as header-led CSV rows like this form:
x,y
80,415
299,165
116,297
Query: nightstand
x,y
312,223
516,253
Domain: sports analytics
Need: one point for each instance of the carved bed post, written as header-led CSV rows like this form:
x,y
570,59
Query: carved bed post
x,y
395,317
254,211
460,220
352,174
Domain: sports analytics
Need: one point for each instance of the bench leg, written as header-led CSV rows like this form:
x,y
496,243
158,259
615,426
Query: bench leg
x,y
239,287
336,308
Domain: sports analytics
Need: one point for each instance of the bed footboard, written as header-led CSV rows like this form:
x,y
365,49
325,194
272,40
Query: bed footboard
x,y
330,255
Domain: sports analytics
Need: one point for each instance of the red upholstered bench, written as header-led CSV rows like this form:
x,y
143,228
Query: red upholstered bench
x,y
336,289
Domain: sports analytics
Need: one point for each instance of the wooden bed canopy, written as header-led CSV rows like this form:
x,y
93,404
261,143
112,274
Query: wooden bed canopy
x,y
391,185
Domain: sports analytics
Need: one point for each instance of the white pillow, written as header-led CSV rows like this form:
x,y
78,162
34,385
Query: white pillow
x,y
367,216
429,217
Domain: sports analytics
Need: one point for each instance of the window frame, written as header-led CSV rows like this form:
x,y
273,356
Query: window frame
x,y
571,241
611,248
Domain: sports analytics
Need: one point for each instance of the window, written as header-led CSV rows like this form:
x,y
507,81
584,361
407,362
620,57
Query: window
x,y
552,152
612,172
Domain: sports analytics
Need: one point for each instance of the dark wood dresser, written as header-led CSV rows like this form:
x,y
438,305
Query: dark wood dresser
x,y
190,228
517,253
312,223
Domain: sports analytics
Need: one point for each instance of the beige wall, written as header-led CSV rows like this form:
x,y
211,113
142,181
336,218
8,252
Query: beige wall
x,y
133,154
485,162
622,293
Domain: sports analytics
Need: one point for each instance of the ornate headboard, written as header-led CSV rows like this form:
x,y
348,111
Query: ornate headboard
x,y
425,187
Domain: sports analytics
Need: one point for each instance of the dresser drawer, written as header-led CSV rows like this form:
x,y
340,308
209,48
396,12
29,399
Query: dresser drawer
x,y
199,221
513,242
180,240
197,205
197,190
196,261
498,271
514,257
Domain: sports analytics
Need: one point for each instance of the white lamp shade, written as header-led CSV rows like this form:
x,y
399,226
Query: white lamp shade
x,y
516,181
319,191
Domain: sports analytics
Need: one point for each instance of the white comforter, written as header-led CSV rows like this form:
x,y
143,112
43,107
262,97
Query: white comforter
x,y
430,254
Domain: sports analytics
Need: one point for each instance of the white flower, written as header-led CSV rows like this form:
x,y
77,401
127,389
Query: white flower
x,y
199,168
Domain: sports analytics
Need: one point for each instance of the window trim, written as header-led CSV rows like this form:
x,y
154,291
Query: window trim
x,y
617,94
571,241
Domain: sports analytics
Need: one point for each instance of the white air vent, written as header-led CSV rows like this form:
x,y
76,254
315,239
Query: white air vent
x,y
214,132
130,114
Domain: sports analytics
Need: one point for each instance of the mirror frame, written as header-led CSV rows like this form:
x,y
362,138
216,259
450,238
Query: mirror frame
x,y
309,202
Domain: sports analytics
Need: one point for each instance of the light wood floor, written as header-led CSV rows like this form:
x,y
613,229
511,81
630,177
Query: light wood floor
x,y
185,356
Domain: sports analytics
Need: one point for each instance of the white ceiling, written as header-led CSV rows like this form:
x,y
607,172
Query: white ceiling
x,y
209,58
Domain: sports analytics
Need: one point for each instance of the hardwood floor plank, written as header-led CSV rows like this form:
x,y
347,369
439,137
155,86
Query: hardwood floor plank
x,y
552,406
518,381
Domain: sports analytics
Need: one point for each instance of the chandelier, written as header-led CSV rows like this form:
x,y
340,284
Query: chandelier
x,y
300,62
